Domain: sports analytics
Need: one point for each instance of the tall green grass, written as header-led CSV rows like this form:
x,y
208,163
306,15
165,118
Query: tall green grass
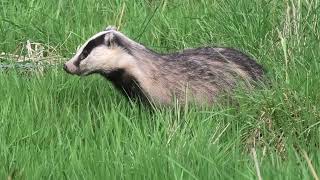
x,y
56,126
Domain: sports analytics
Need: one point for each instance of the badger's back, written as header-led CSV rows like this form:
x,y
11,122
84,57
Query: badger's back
x,y
206,58
207,72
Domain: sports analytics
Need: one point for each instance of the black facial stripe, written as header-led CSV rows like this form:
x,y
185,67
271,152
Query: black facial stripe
x,y
88,48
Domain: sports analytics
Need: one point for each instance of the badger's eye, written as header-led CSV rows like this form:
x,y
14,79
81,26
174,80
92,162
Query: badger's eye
x,y
83,55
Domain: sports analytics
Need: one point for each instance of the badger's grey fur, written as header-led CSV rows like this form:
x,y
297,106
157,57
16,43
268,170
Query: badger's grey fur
x,y
198,75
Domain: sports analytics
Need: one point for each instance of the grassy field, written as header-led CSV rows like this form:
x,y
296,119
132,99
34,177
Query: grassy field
x,y
56,126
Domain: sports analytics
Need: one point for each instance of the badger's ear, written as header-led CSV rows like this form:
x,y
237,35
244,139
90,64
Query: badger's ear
x,y
110,39
111,28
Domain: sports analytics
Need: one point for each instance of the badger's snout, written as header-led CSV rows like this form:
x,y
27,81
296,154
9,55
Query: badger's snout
x,y
70,68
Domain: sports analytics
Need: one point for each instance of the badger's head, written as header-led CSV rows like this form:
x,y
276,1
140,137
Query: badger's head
x,y
104,52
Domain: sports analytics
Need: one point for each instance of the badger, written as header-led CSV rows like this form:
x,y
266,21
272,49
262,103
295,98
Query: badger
x,y
199,75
